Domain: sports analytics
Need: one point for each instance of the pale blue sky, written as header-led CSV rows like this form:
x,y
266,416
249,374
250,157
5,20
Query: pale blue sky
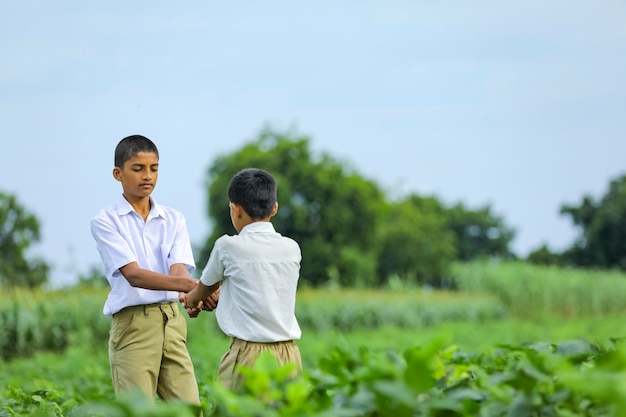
x,y
520,106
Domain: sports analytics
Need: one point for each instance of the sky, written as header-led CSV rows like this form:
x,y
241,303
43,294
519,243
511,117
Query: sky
x,y
516,105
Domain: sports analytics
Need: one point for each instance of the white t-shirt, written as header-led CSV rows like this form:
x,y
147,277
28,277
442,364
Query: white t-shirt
x,y
123,237
259,270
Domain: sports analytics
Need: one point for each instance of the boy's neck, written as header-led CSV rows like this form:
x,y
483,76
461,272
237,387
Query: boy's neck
x,y
141,205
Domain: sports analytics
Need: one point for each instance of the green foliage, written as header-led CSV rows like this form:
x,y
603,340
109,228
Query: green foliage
x,y
32,321
526,380
53,320
347,310
570,378
603,226
18,231
80,372
603,378
423,236
40,403
538,291
269,389
434,380
330,210
417,245
479,233
134,404
350,235
543,256
430,377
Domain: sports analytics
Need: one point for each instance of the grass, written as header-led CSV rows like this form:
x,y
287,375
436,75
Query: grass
x,y
83,371
535,291
508,304
469,336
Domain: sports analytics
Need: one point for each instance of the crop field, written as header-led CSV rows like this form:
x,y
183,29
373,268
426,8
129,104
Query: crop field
x,y
509,340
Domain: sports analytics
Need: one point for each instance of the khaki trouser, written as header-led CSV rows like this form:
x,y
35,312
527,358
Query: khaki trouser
x,y
243,353
147,350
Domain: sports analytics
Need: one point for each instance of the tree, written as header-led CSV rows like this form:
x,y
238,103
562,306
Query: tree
x,y
479,233
18,230
602,225
349,233
423,236
327,207
543,256
417,246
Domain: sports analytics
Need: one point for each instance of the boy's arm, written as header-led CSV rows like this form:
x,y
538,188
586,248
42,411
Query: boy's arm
x,y
151,280
207,296
180,269
201,295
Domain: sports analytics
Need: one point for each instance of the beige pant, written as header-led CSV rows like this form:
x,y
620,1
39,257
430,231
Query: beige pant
x,y
147,350
242,353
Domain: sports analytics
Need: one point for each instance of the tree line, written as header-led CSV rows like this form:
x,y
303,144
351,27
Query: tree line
x,y
352,233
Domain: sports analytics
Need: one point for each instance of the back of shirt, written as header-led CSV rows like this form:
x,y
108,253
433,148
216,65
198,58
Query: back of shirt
x,y
259,270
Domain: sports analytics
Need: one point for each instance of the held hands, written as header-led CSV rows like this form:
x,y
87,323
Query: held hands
x,y
210,303
193,312
194,306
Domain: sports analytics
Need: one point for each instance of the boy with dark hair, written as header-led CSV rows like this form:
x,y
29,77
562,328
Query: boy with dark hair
x,y
148,260
257,272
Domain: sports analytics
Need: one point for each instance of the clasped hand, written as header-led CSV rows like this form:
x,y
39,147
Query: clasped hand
x,y
208,304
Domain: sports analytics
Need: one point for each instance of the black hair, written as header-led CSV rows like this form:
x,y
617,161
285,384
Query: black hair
x,y
255,191
131,146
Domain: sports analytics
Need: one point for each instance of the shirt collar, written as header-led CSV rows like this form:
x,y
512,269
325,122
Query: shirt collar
x,y
124,207
258,227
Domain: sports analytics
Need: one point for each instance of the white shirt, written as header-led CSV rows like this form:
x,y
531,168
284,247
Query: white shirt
x,y
123,237
259,270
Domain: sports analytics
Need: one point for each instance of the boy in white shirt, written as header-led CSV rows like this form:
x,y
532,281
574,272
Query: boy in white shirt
x,y
257,273
148,260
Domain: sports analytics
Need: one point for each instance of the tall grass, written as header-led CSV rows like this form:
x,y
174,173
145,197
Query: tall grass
x,y
532,291
38,320
32,321
347,310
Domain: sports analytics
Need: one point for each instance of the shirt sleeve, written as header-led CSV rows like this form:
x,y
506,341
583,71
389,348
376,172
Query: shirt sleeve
x,y
181,252
113,248
214,270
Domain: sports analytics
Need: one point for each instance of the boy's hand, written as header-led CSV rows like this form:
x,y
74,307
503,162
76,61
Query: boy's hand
x,y
193,312
210,303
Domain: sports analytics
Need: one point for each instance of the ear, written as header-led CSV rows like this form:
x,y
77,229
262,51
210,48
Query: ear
x,y
273,213
117,173
236,209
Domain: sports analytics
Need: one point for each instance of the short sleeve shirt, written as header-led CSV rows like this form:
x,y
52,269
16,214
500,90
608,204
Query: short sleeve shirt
x,y
259,270
122,236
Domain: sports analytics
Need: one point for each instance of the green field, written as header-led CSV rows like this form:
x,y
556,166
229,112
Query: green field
x,y
55,358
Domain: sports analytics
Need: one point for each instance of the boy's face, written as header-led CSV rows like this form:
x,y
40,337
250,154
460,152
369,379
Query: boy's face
x,y
138,175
